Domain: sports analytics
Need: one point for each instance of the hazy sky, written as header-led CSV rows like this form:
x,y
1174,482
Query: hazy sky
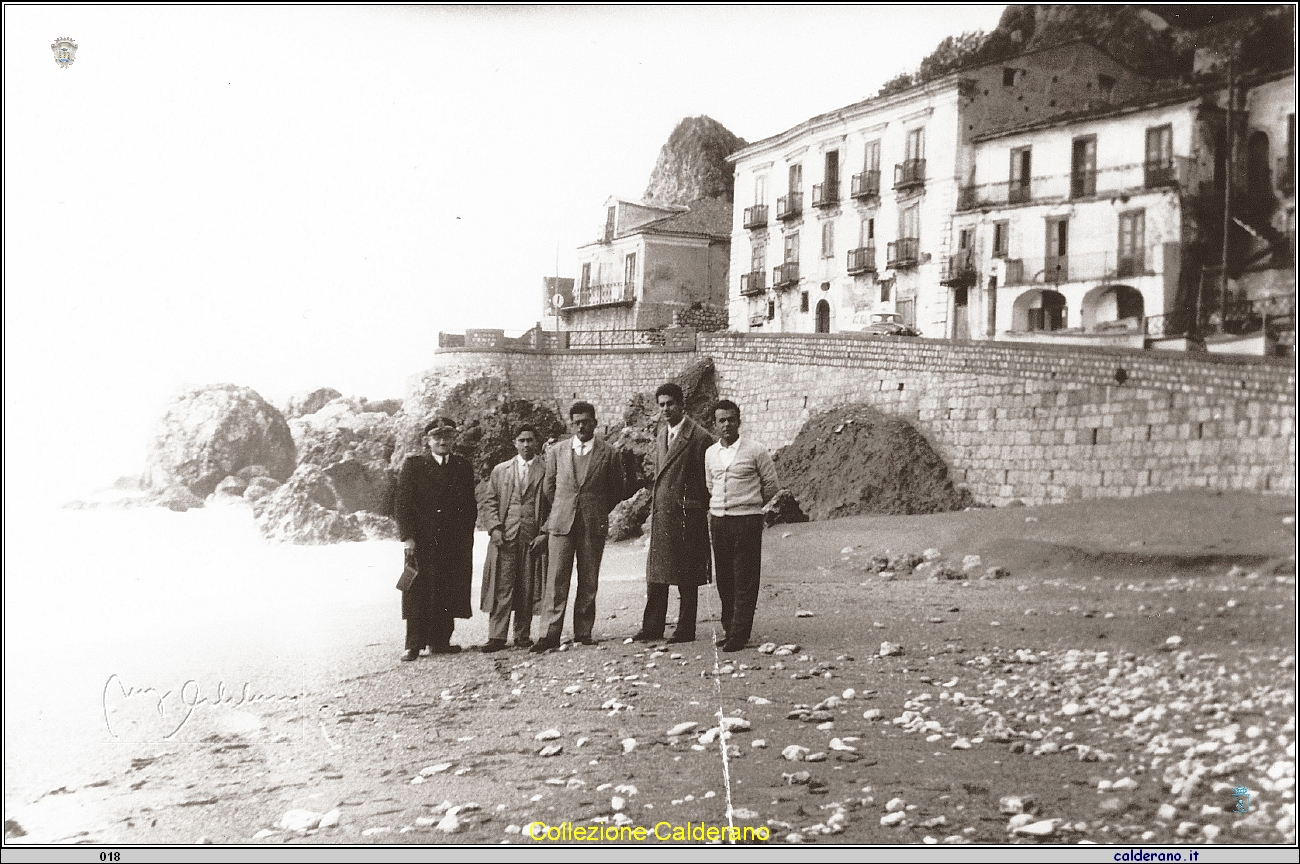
x,y
295,197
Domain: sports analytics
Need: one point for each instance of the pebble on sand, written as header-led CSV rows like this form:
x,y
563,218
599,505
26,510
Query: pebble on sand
x,y
551,750
682,728
629,744
299,820
889,649
794,753
548,735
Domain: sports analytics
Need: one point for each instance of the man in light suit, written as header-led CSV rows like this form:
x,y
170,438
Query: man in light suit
x,y
679,525
584,480
514,569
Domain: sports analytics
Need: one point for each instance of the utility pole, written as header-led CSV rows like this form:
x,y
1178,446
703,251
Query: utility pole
x,y
1227,194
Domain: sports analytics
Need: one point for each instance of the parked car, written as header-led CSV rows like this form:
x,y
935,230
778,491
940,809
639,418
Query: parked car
x,y
889,324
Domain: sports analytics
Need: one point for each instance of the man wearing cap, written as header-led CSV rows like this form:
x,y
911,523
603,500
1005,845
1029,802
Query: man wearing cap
x,y
436,512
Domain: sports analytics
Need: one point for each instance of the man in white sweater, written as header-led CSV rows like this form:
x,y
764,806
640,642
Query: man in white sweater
x,y
741,478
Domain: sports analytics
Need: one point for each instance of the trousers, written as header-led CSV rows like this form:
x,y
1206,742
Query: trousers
x,y
433,631
513,595
656,610
737,562
588,547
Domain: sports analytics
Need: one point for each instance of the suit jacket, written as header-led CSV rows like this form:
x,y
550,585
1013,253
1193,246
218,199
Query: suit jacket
x,y
497,496
436,507
680,553
598,493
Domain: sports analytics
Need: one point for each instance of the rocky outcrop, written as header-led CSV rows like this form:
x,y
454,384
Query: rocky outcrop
x,y
212,432
354,447
692,164
628,517
302,404
305,510
783,509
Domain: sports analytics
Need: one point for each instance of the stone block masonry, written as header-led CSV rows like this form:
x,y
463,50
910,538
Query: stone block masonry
x,y
1037,423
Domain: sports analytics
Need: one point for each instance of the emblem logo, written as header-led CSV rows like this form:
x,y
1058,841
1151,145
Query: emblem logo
x,y
65,51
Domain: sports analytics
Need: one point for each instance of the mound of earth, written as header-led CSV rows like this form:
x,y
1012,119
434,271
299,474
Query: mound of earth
x,y
855,460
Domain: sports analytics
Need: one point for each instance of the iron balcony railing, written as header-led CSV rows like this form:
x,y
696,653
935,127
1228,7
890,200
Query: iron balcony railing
x,y
865,185
909,174
825,194
1159,172
756,216
605,294
1099,267
961,269
785,275
753,283
789,206
862,260
905,252
1019,193
1083,183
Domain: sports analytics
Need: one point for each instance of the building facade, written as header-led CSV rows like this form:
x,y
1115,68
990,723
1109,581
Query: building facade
x,y
850,213
650,267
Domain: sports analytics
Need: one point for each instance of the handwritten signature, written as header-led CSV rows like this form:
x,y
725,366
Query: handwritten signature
x,y
183,702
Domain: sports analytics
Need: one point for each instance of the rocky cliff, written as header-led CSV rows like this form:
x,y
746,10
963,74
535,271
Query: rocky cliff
x,y
692,164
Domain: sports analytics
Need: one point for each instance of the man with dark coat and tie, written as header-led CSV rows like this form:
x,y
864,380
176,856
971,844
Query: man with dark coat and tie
x,y
584,481
514,570
679,519
436,511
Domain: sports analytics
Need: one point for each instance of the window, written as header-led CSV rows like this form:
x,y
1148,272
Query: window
x,y
1159,156
796,178
1132,244
871,161
1106,84
1001,235
771,309
828,239
791,247
609,224
1083,167
965,239
803,302
629,269
757,256
1055,264
1008,77
884,290
915,146
867,233
832,170
1018,191
909,222
760,189
586,275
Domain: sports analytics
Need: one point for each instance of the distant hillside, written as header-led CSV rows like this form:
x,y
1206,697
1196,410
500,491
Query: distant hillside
x,y
692,164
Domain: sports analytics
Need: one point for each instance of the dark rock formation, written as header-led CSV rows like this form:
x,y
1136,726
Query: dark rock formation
x,y
692,164
214,431
626,520
355,448
309,403
783,509
855,460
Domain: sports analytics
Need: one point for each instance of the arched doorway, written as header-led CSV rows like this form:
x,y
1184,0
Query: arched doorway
x,y
1039,310
1104,307
823,317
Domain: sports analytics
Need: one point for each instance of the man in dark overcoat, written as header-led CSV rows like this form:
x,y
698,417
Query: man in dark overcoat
x,y
679,519
514,569
436,511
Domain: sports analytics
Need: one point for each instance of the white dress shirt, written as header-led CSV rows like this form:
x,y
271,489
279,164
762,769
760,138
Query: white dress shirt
x,y
674,431
582,448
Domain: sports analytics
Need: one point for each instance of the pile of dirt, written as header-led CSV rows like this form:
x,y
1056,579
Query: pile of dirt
x,y
855,460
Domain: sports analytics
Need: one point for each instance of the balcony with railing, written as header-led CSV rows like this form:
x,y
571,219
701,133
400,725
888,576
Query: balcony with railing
x,y
789,206
785,275
960,272
865,185
1083,183
1099,267
909,174
905,252
756,216
1019,192
1159,172
752,284
862,260
605,294
825,194
1077,184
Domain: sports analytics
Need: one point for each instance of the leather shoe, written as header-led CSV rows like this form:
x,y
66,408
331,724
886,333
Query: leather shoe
x,y
679,638
642,636
523,643
446,649
720,642
493,645
734,645
410,654
587,640
541,646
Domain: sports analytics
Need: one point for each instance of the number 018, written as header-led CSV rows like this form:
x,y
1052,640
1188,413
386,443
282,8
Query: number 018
x,y
110,856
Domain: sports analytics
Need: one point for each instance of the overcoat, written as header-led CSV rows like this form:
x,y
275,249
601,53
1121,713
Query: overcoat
x,y
679,509
436,507
497,496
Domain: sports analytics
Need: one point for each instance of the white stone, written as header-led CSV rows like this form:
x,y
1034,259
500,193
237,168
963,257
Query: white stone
x,y
1041,828
872,714
895,805
794,753
837,744
892,819
430,770
961,744
548,735
629,744
1019,821
889,649
682,728
299,820
1125,784
735,724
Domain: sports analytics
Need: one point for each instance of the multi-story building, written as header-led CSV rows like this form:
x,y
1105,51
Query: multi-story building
x,y
648,264
850,213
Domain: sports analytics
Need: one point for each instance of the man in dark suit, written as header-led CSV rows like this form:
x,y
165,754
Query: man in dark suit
x,y
679,524
436,511
514,569
584,480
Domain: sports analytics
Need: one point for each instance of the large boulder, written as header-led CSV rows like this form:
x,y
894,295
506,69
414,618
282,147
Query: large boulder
x,y
783,509
855,460
301,404
628,517
212,432
305,510
355,448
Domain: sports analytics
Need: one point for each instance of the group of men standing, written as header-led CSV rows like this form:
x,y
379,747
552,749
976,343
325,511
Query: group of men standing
x,y
544,512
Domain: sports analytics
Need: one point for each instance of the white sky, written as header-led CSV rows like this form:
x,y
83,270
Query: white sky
x,y
295,197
